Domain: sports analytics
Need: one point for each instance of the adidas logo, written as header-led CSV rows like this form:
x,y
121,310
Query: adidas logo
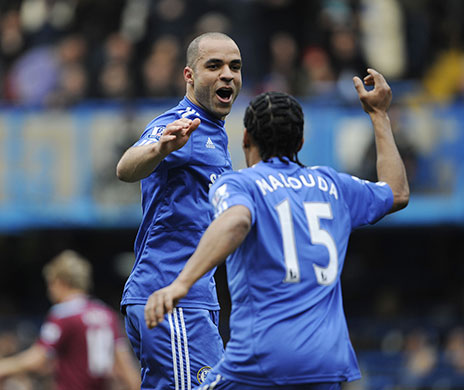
x,y
209,144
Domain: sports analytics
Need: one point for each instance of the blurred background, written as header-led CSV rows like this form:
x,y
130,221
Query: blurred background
x,y
80,79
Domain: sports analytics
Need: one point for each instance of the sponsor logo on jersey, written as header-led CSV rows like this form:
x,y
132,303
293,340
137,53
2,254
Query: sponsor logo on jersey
x,y
209,144
202,372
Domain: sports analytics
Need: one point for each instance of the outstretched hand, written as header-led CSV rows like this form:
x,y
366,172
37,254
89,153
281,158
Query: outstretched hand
x,y
177,134
377,99
162,302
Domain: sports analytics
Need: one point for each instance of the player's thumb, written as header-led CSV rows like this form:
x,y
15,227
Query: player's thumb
x,y
358,85
195,123
193,126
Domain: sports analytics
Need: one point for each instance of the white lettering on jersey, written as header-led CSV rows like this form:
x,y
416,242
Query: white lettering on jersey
x,y
322,184
311,183
188,112
282,177
333,191
273,184
294,183
263,186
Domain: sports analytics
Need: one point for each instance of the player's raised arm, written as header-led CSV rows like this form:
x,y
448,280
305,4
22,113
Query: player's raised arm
x,y
221,238
140,161
390,167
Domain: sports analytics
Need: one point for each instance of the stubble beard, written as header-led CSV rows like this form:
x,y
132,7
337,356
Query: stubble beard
x,y
206,98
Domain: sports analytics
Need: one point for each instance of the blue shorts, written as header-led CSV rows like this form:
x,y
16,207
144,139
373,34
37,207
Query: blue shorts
x,y
216,381
178,353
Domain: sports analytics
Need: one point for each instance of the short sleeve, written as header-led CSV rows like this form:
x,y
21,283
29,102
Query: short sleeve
x,y
367,202
231,190
153,133
51,334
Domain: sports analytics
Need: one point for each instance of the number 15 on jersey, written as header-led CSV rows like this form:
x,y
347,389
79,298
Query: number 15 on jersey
x,y
314,211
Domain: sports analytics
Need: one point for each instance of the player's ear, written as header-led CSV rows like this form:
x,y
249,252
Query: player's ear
x,y
246,139
188,75
301,144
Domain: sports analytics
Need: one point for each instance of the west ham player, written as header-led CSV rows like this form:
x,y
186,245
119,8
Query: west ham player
x,y
80,334
287,227
178,157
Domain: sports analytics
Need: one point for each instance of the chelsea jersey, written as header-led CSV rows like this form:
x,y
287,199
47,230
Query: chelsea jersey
x,y
287,322
175,207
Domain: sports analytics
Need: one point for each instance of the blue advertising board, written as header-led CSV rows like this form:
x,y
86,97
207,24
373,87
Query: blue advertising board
x,y
57,168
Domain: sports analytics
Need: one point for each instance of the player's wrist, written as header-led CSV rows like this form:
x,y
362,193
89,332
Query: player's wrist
x,y
159,152
379,114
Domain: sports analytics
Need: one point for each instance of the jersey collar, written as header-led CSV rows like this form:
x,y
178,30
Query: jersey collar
x,y
275,161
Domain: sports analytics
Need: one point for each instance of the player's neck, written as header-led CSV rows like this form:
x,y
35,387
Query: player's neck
x,y
252,155
71,294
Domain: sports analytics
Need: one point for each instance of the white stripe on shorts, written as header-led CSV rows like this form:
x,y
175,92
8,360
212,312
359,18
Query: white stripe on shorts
x,y
173,349
187,356
179,346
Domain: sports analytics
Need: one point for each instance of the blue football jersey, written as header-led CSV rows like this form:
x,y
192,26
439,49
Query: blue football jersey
x,y
175,208
287,321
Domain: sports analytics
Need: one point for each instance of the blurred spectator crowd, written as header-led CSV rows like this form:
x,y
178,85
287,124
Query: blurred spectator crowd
x,y
56,53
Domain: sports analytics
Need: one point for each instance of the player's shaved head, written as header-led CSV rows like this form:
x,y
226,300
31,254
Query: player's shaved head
x,y
193,50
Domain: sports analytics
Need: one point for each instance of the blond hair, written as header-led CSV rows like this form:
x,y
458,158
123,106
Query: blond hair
x,y
70,268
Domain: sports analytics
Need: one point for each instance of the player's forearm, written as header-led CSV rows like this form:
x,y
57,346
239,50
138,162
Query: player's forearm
x,y
124,368
221,238
139,162
30,360
390,166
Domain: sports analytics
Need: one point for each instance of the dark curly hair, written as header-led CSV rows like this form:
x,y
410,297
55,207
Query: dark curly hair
x,y
275,122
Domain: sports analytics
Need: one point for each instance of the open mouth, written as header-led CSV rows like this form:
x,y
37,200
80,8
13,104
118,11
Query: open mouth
x,y
224,94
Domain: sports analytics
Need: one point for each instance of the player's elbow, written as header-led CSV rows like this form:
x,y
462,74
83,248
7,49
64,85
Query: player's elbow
x,y
400,200
124,173
242,226
120,172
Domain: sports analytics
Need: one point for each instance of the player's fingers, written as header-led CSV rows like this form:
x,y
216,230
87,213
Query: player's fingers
x,y
169,305
148,312
193,126
169,137
368,80
182,122
378,78
359,86
159,309
174,128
